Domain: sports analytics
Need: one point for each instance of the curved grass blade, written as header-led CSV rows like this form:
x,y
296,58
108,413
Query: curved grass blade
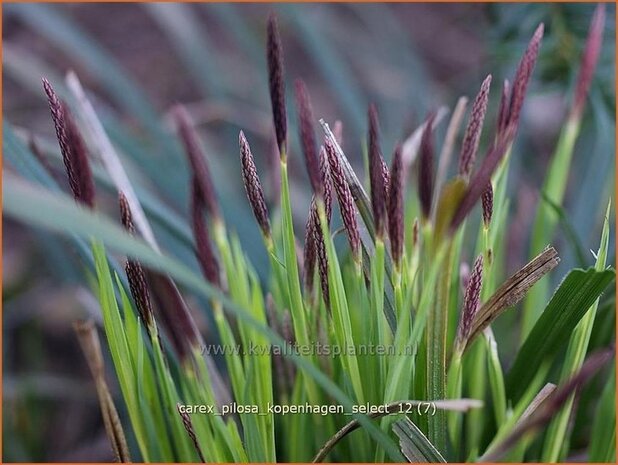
x,y
48,21
185,35
576,352
577,292
399,407
414,444
57,213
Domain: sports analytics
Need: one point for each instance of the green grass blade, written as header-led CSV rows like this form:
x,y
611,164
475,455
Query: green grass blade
x,y
547,219
603,435
575,355
185,34
577,292
118,345
496,377
59,213
414,445
48,21
330,65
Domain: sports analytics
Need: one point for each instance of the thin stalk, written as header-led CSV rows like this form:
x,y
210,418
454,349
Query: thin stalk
x,y
436,354
340,309
520,408
381,331
474,368
109,157
496,377
297,309
453,389
547,219
576,353
479,356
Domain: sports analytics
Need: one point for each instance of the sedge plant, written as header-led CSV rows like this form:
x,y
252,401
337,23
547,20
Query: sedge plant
x,y
388,332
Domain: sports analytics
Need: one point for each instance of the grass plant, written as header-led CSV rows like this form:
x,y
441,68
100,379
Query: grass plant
x,y
388,325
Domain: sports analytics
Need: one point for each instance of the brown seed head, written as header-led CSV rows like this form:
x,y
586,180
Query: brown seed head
x,y
320,250
487,203
309,252
197,160
386,176
135,273
376,173
346,201
253,187
522,78
589,60
276,82
72,147
188,425
425,169
512,291
472,136
503,110
395,206
315,253
471,301
327,183
479,182
203,249
307,137
274,172
125,213
174,314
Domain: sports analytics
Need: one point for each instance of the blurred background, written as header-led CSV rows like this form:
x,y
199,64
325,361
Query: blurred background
x,y
136,61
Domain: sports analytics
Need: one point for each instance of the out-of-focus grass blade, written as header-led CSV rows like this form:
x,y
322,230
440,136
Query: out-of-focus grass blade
x,y
574,296
395,47
603,435
540,413
338,75
104,147
185,34
568,230
48,21
576,352
546,218
22,160
27,166
587,197
235,24
414,445
27,69
25,163
36,207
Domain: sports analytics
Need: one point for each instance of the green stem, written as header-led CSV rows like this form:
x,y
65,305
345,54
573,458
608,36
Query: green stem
x,y
475,380
381,328
297,309
496,378
546,218
340,310
453,388
576,352
436,353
